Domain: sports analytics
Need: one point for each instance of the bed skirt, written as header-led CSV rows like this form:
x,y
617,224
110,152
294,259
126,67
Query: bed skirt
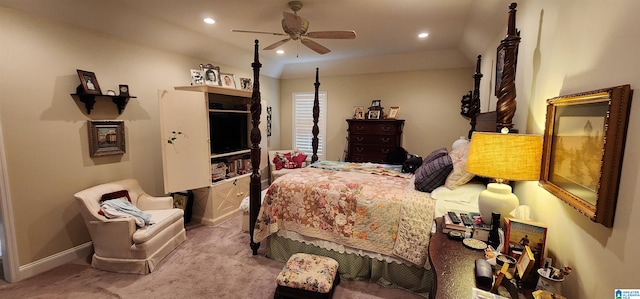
x,y
354,267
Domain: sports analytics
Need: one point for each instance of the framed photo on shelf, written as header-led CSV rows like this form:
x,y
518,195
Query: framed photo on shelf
x,y
375,103
106,137
197,77
89,82
212,76
358,112
374,114
228,80
245,84
587,129
393,112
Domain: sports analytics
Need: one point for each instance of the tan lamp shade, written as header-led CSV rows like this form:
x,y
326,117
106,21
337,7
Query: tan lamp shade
x,y
515,157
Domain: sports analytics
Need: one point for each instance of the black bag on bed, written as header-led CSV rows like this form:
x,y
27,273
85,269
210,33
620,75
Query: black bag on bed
x,y
397,156
411,164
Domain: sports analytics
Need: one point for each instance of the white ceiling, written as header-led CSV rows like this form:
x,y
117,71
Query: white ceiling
x,y
386,30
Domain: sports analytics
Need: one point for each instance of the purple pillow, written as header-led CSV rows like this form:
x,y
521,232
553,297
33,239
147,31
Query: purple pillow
x,y
433,174
435,154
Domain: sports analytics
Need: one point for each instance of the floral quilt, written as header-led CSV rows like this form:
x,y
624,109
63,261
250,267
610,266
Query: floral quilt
x,y
377,212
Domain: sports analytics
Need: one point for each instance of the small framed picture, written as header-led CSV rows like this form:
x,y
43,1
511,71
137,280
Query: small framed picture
x,y
212,76
124,90
374,114
245,84
393,112
375,103
228,80
89,82
525,262
358,112
197,77
106,137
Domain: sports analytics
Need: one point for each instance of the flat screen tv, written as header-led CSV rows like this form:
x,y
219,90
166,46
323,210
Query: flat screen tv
x,y
229,131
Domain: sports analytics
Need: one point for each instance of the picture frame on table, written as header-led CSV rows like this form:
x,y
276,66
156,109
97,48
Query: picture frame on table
x,y
106,137
89,82
212,75
393,112
358,112
228,80
587,129
245,84
197,77
376,103
374,114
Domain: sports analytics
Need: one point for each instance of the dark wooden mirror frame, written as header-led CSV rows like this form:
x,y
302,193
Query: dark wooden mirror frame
x,y
611,105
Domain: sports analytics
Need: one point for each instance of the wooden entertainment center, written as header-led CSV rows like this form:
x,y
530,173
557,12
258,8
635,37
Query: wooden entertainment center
x,y
201,158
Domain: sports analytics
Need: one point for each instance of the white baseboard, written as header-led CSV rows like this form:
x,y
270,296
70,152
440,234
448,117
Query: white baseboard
x,y
32,269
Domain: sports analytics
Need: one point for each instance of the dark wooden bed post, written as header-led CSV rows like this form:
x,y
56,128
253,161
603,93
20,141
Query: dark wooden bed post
x,y
254,189
474,105
506,106
316,114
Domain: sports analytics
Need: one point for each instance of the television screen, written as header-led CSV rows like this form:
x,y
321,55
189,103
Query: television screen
x,y
229,131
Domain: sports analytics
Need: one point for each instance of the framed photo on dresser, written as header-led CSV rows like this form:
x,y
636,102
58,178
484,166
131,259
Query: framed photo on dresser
x,y
374,114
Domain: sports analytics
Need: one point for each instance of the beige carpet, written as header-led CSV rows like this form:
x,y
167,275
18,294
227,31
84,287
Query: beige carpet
x,y
214,262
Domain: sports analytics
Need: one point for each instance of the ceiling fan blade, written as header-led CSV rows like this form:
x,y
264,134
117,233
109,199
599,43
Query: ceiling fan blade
x,y
345,34
318,48
277,44
292,21
259,32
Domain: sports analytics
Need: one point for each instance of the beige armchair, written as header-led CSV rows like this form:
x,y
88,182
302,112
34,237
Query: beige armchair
x,y
120,246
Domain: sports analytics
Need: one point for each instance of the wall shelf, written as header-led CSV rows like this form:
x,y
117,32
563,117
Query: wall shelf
x,y
90,99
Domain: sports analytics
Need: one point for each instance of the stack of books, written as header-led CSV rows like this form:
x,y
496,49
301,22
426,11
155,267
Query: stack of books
x,y
479,230
449,226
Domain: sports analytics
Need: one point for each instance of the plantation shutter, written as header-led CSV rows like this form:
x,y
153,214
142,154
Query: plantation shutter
x,y
303,122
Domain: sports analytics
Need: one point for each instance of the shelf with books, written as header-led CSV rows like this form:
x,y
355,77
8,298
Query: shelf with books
x,y
519,232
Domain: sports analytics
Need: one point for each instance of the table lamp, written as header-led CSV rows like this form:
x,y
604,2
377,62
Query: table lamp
x,y
503,157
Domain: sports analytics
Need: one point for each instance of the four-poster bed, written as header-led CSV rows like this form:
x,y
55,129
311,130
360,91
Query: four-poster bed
x,y
401,266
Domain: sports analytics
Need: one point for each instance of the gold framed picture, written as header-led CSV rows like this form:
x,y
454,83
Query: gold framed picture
x,y
393,112
358,112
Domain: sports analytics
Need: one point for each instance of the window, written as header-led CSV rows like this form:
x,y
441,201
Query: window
x,y
303,122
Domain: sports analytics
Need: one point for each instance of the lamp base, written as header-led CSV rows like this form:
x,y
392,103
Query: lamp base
x,y
497,198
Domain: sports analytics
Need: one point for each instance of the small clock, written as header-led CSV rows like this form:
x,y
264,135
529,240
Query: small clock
x,y
124,90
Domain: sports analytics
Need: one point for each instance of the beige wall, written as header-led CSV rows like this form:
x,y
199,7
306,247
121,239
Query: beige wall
x,y
45,130
429,103
569,47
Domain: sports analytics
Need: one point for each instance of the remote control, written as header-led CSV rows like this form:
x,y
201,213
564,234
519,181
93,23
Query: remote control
x,y
466,219
454,217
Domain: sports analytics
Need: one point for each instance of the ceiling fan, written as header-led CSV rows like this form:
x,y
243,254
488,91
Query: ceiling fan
x,y
296,28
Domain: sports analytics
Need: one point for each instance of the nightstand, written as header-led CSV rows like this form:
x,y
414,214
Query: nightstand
x,y
453,266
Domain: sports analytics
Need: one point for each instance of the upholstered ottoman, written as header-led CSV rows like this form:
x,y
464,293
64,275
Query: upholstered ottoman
x,y
307,276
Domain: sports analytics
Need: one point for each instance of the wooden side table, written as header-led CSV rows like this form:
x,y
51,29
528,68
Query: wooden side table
x,y
453,265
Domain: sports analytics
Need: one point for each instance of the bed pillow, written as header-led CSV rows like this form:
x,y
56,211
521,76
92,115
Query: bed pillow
x,y
282,160
459,176
299,158
433,174
435,154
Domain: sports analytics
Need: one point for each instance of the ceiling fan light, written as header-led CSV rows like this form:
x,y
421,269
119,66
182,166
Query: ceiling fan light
x,y
280,52
423,35
209,21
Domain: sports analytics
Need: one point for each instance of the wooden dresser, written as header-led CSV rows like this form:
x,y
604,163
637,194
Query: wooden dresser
x,y
371,140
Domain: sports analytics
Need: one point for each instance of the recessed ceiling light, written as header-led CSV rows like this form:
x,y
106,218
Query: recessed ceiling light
x,y
209,21
423,35
280,52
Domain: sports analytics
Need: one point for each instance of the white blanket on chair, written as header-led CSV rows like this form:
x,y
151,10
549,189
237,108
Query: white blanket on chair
x,y
117,208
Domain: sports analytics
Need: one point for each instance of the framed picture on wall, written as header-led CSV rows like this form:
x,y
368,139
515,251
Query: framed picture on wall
x,y
106,137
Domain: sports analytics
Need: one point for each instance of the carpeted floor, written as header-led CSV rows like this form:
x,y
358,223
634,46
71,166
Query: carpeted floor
x,y
214,262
